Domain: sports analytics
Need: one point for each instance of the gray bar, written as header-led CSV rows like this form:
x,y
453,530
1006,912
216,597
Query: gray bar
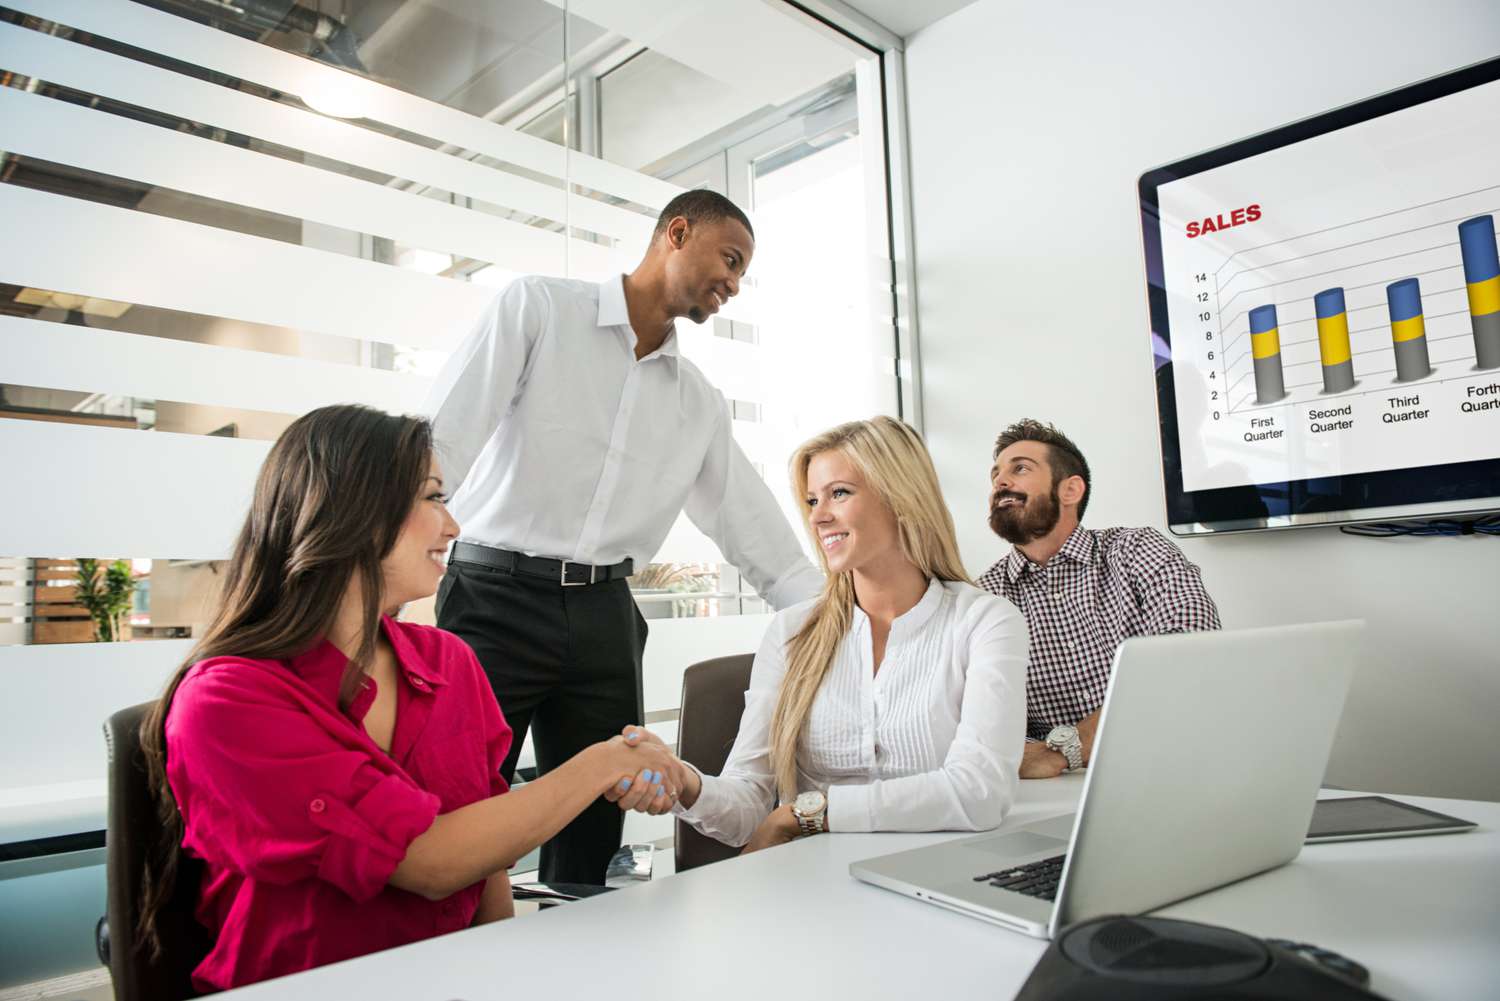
x,y
1268,385
1486,341
1337,378
1411,359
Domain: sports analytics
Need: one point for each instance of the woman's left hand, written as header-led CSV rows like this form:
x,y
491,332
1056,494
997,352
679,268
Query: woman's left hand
x,y
777,829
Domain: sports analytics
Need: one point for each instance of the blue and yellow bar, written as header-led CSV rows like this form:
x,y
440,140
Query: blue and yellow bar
x,y
1333,340
1408,329
1476,241
1265,350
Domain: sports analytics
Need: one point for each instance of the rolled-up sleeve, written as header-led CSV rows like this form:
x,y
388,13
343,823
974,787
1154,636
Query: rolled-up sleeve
x,y
977,783
267,790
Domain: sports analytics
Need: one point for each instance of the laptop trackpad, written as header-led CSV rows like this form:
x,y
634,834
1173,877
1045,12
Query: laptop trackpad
x,y
1020,843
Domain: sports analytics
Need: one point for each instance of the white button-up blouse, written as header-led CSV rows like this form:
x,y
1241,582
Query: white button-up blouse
x,y
932,742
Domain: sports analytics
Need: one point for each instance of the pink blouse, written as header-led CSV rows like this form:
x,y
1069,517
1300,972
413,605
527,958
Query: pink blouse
x,y
300,818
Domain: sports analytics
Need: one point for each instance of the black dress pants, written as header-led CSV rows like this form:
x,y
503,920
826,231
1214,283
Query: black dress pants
x,y
564,662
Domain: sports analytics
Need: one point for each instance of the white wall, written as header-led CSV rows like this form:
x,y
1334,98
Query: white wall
x,y
1030,123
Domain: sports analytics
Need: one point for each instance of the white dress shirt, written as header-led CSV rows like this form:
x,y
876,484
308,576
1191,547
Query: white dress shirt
x,y
556,441
930,743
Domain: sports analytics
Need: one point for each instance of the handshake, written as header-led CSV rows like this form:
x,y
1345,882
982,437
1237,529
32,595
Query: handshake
x,y
649,778
654,779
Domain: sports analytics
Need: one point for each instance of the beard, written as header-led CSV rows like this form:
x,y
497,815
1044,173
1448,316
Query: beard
x,y
1027,521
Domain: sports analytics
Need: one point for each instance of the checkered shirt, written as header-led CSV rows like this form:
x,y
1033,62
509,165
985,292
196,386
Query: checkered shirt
x,y
1100,589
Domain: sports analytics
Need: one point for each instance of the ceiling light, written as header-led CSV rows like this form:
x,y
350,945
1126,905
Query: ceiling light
x,y
338,95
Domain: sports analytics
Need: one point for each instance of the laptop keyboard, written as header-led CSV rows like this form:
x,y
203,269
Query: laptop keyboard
x,y
1035,879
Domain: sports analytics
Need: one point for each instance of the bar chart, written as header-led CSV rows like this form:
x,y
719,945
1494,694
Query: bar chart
x,y
1408,361
1334,304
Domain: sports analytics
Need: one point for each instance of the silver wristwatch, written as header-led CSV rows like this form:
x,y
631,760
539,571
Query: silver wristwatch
x,y
811,811
1065,739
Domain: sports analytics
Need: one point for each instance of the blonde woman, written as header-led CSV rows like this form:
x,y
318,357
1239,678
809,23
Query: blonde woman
x,y
894,701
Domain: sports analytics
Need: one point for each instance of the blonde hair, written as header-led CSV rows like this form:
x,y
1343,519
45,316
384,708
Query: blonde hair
x,y
894,463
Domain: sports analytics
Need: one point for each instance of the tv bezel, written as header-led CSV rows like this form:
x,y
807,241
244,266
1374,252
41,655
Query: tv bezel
x,y
1451,490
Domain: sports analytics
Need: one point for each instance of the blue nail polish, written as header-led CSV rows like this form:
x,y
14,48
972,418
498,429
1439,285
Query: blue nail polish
x,y
658,790
656,776
624,784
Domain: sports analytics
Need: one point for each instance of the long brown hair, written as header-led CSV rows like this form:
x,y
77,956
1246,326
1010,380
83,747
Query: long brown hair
x,y
890,456
329,505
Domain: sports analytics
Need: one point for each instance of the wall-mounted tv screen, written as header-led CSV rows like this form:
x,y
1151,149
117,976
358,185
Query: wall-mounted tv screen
x,y
1325,314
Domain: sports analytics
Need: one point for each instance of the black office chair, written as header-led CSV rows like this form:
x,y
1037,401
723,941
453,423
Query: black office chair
x,y
132,827
713,699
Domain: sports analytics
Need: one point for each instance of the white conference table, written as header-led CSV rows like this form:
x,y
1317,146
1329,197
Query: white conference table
x,y
1423,914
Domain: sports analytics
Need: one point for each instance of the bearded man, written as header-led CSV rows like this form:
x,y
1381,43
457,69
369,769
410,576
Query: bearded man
x,y
1082,591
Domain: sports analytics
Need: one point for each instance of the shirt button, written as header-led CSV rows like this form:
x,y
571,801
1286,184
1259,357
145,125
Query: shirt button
x,y
418,683
317,806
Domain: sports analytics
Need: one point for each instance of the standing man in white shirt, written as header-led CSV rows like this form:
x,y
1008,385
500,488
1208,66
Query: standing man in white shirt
x,y
573,433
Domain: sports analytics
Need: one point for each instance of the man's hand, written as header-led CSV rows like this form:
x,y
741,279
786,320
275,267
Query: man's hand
x,y
1087,728
777,829
1038,761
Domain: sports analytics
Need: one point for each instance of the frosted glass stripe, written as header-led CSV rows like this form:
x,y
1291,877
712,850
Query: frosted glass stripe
x,y
75,246
207,47
14,594
63,356
172,496
65,133
58,696
92,70
12,633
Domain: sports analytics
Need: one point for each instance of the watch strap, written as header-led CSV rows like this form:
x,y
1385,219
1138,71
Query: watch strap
x,y
813,824
1073,751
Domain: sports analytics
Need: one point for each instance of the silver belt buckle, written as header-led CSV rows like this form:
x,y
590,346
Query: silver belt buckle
x,y
581,583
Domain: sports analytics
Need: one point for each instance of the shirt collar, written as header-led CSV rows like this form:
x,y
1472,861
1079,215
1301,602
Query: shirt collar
x,y
322,667
1078,547
413,665
614,313
915,616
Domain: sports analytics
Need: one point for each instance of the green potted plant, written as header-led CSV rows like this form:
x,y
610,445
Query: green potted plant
x,y
106,595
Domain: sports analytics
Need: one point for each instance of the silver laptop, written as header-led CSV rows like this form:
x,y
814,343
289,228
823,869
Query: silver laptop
x,y
1206,765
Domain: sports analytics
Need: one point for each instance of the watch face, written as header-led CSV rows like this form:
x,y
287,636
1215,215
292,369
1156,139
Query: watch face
x,y
1062,734
809,803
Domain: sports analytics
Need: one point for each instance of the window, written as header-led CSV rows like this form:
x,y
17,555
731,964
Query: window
x,y
217,224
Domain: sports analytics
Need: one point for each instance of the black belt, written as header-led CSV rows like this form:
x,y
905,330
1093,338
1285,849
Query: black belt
x,y
564,573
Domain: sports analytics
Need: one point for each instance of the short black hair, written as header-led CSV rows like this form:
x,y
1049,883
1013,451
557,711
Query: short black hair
x,y
1066,458
701,205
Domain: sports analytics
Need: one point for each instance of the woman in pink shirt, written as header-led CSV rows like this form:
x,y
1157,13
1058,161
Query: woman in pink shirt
x,y
337,771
